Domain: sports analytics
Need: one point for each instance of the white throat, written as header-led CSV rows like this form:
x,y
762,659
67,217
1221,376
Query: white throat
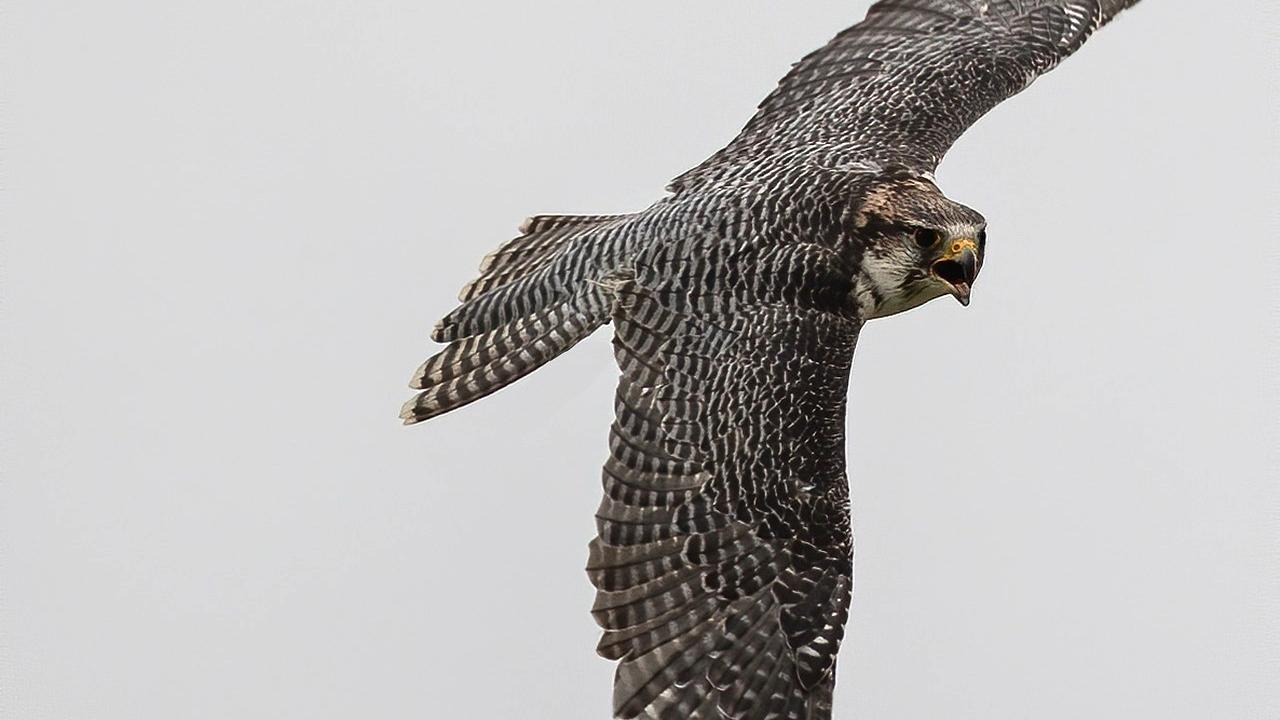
x,y
879,288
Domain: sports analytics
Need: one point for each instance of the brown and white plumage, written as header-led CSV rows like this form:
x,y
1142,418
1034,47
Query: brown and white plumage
x,y
723,561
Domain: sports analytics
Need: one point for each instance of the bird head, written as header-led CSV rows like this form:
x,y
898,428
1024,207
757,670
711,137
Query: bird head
x,y
916,245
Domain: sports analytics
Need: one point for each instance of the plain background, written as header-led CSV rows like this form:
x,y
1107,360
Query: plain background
x,y
229,227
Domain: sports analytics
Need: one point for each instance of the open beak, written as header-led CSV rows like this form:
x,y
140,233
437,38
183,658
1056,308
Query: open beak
x,y
957,268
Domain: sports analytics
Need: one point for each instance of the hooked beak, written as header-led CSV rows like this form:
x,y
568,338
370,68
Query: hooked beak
x,y
957,268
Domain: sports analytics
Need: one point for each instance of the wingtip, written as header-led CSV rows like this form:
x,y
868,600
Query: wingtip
x,y
418,381
440,333
409,412
1111,8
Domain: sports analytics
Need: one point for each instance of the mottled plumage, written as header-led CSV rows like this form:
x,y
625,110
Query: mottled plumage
x,y
724,559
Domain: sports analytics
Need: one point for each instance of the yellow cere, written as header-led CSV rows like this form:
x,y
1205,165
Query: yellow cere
x,y
963,244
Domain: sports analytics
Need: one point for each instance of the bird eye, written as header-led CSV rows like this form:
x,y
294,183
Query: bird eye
x,y
926,238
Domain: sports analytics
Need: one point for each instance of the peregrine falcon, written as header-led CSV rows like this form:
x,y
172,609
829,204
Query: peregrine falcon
x,y
723,561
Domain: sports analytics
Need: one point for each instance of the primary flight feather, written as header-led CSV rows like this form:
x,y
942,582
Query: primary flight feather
x,y
724,561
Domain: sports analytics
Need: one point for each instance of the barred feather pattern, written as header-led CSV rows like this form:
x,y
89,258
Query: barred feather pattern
x,y
537,296
474,367
540,239
543,267
723,561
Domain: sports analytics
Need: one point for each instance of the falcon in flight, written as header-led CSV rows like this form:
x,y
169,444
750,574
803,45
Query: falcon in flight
x,y
723,561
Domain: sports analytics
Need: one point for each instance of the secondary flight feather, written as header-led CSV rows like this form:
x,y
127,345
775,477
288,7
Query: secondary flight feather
x,y
723,561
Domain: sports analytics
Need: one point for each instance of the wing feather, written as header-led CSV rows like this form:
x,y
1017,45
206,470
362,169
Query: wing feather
x,y
900,87
723,560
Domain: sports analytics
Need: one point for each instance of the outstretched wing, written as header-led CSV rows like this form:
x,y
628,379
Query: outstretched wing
x,y
901,86
724,558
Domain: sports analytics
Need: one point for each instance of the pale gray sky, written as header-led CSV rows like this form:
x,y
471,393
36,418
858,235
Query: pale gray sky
x,y
229,227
